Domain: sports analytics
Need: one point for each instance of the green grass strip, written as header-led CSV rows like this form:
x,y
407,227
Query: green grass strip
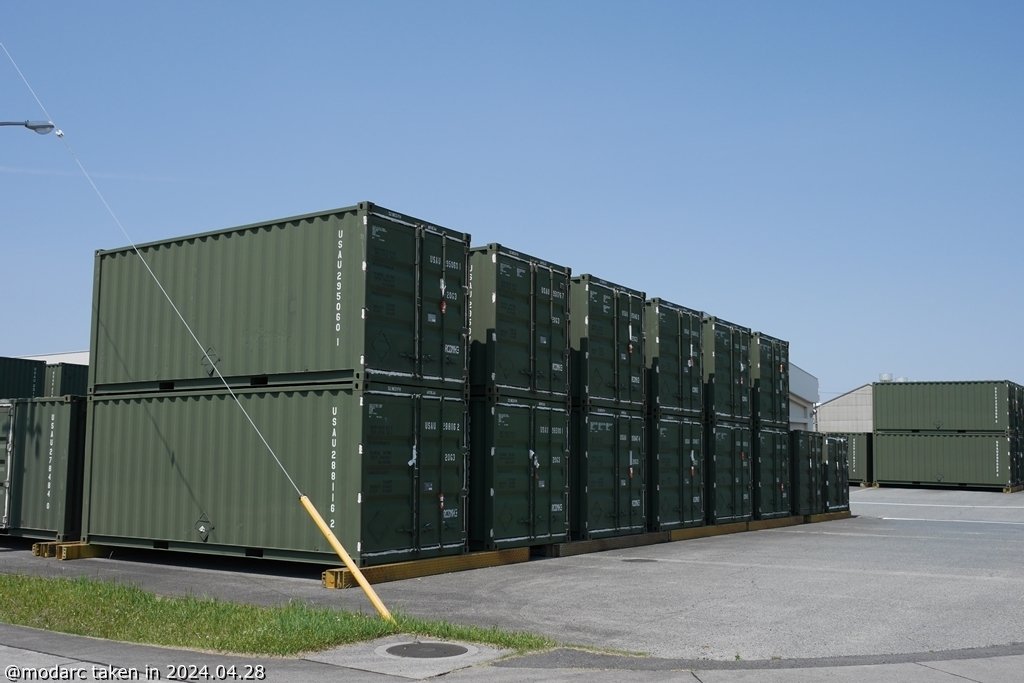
x,y
127,613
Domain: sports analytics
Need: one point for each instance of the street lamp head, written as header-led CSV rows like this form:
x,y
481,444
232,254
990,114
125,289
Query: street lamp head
x,y
41,127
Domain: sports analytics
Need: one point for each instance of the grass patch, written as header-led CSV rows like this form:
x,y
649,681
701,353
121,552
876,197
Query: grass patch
x,y
127,613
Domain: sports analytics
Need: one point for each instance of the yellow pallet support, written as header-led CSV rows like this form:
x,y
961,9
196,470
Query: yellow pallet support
x,y
343,578
776,523
1013,489
45,549
827,516
79,551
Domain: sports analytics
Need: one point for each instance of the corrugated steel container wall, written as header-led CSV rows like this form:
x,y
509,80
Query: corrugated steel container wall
x,y
835,483
607,340
63,379
807,465
519,473
727,370
608,461
20,378
354,293
675,380
518,324
985,460
185,471
769,375
772,475
44,470
676,485
945,406
858,452
729,478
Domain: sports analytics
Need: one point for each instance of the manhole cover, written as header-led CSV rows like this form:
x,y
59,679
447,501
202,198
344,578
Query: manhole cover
x,y
426,650
639,559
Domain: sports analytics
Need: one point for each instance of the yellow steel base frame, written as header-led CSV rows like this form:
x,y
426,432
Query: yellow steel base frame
x,y
827,516
78,551
1013,489
45,549
869,484
342,578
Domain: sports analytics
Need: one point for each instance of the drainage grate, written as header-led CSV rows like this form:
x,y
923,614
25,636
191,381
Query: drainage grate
x,y
426,650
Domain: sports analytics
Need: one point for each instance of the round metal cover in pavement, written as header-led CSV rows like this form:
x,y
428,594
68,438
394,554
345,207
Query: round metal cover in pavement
x,y
427,650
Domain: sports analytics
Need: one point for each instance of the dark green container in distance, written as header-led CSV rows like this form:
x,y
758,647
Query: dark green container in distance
x,y
936,459
519,472
185,471
43,472
674,338
676,488
64,379
773,477
769,375
808,463
835,482
349,294
6,409
607,340
729,478
946,406
727,370
858,454
20,378
518,324
608,474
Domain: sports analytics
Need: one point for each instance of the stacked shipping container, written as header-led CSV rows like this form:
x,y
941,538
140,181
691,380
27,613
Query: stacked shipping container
x,y
675,408
728,427
341,333
769,374
609,444
519,399
949,433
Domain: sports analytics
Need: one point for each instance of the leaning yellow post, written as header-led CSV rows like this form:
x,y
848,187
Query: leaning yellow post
x,y
349,564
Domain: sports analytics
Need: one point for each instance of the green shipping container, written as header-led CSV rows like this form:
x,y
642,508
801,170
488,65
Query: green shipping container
x,y
672,346
769,374
185,471
64,379
858,451
519,473
772,475
937,459
349,294
607,329
808,467
20,378
729,479
727,370
43,474
608,473
946,406
518,324
676,488
835,483
6,409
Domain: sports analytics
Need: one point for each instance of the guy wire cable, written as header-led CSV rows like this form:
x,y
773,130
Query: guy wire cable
x,y
303,499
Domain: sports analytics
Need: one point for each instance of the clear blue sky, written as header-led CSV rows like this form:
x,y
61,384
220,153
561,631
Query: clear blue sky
x,y
844,175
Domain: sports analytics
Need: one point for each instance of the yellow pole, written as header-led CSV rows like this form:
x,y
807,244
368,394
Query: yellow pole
x,y
349,564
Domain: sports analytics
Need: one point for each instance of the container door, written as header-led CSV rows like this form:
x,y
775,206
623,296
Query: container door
x,y
679,370
550,336
390,456
550,481
601,346
669,465
629,349
600,481
513,357
442,298
512,478
632,514
441,522
693,473
393,272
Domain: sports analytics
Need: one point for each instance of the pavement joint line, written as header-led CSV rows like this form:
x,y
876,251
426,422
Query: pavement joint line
x,y
949,521
938,505
948,673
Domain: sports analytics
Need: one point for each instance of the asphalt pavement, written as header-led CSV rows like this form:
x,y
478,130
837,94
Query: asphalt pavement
x,y
922,585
